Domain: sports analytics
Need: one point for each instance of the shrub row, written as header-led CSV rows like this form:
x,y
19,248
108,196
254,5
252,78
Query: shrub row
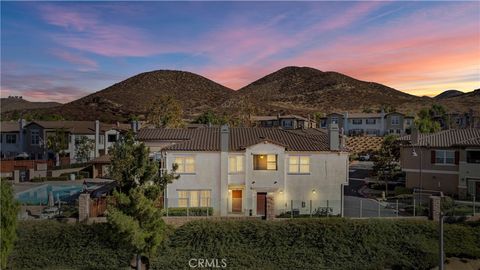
x,y
332,243
316,244
192,211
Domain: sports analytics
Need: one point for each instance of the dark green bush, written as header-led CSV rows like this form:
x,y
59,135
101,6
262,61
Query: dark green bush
x,y
315,244
192,211
402,190
55,245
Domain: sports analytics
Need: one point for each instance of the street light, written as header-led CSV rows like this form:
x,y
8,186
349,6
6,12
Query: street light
x,y
414,154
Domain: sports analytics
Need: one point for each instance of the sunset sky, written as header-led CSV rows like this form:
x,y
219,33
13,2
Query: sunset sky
x,y
60,51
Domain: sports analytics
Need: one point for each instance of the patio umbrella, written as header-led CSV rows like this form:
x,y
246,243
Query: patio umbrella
x,y
50,199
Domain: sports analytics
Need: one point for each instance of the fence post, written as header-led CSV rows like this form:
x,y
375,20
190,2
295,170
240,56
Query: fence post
x,y
310,208
397,208
291,208
474,205
414,206
208,206
188,204
328,209
361,203
378,203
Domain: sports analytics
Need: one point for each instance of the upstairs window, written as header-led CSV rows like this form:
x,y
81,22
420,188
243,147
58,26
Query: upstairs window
x,y
185,164
265,162
299,164
35,137
357,121
235,164
395,120
473,156
334,120
444,157
370,121
288,123
11,138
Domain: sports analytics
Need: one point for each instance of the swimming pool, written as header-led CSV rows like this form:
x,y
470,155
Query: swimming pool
x,y
39,195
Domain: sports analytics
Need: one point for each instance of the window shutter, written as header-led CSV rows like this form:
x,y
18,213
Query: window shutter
x,y
457,157
432,156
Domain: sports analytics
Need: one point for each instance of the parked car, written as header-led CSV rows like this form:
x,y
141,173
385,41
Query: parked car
x,y
50,212
365,157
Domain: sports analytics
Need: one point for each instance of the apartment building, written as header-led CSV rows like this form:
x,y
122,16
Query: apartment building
x,y
283,121
251,171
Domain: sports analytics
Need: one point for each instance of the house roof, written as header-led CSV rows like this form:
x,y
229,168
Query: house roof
x,y
448,138
274,117
105,159
208,139
368,115
79,127
9,126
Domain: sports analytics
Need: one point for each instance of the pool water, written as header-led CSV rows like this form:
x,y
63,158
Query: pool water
x,y
39,195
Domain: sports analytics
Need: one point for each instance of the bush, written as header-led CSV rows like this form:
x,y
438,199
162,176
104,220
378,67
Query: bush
x,y
50,178
55,245
402,190
315,244
192,211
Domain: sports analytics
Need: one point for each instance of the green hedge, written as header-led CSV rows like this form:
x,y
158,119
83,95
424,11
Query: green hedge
x,y
329,243
192,211
55,245
316,244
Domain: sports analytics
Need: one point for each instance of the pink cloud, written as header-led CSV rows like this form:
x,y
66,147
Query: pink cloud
x,y
85,63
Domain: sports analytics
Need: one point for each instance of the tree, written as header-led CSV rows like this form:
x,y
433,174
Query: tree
x,y
209,117
385,165
137,219
140,182
428,119
83,147
132,167
8,221
57,143
166,112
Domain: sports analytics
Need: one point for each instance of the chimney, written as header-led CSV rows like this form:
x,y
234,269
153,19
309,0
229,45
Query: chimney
x,y
224,138
97,137
333,137
414,135
21,126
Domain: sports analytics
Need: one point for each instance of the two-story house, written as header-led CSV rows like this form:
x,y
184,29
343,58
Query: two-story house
x,y
239,171
30,139
283,121
447,161
370,124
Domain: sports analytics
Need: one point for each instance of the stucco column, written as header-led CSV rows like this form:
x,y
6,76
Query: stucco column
x,y
83,207
270,206
435,208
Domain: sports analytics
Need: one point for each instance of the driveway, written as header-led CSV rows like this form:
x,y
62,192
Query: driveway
x,y
369,208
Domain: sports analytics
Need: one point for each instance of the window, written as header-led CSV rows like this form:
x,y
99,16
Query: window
x,y
299,164
370,121
235,164
334,120
185,164
194,198
101,139
265,162
444,157
398,131
408,122
11,138
357,121
35,137
288,123
395,120
473,156
112,137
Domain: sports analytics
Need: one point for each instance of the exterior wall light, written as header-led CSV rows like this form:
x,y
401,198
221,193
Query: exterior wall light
x,y
314,191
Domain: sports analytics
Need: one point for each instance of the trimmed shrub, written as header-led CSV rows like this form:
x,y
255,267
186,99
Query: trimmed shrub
x,y
55,245
315,244
192,211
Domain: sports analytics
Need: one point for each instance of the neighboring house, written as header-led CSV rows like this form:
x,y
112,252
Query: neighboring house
x,y
370,124
283,121
251,171
447,161
31,138
456,120
10,145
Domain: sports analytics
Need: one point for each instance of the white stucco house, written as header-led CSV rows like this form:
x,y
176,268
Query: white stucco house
x,y
238,170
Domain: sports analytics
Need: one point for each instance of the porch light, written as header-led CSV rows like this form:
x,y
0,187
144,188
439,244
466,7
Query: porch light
x,y
261,156
281,191
414,153
313,191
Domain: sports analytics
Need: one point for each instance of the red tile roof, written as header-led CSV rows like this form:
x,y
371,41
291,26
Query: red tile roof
x,y
208,139
448,138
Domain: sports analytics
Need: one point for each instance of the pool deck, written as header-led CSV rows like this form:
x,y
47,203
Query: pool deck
x,y
20,187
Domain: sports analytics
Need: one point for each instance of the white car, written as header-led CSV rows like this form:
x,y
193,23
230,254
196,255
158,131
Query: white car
x,y
49,212
365,157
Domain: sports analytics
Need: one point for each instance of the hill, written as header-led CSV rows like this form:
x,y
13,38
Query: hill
x,y
18,103
304,89
298,90
448,94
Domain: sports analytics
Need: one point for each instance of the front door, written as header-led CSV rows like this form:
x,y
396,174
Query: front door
x,y
262,205
236,201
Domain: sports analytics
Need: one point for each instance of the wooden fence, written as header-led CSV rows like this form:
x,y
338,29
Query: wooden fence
x,y
98,206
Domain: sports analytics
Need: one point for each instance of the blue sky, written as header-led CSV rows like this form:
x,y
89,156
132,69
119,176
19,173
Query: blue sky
x,y
61,51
